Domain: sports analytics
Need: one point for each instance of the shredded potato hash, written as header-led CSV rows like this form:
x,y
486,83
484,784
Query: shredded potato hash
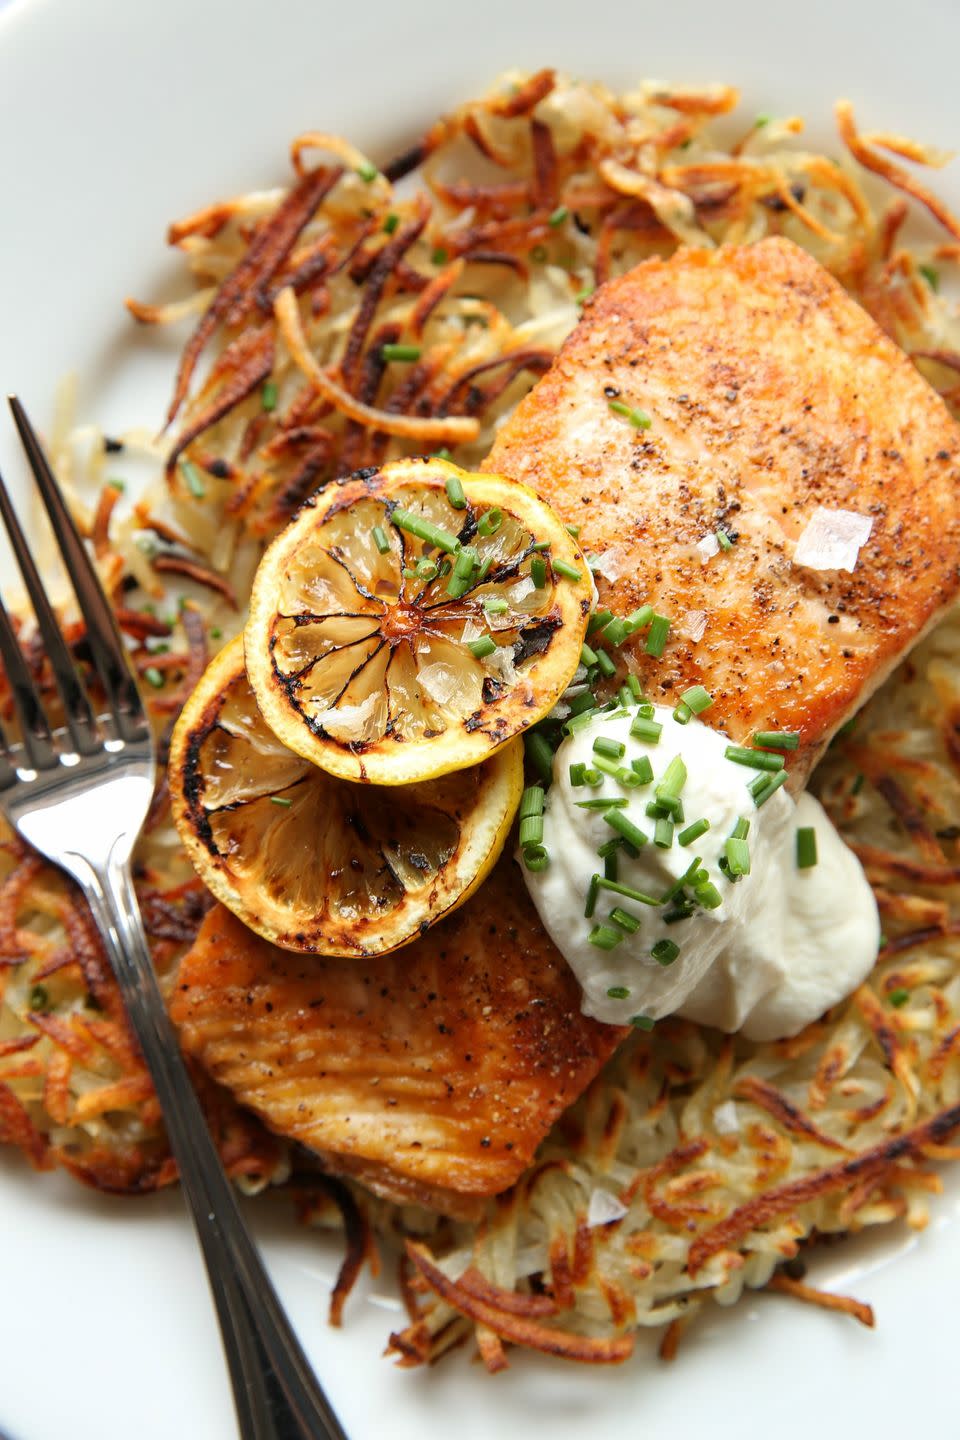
x,y
362,313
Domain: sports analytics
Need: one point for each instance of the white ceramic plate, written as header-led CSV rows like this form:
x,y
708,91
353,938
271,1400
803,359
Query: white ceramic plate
x,y
117,116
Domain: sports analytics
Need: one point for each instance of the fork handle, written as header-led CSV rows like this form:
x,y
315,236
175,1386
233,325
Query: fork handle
x,y
276,1393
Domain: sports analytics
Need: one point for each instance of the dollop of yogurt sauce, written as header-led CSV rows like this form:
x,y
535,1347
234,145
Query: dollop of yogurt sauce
x,y
763,953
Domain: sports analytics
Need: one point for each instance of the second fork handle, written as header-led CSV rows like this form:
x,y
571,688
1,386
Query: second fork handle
x,y
275,1390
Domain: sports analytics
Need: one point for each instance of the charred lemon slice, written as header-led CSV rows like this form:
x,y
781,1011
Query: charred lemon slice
x,y
313,862
414,619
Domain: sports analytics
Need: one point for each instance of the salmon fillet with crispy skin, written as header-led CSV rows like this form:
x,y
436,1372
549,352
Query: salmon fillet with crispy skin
x,y
771,392
431,1074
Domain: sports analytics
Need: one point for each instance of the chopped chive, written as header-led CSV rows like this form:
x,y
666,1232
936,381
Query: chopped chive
x,y
607,766
741,830
439,256
116,483
455,495
573,530
665,952
400,352
391,222
857,785
697,699
629,778
268,396
581,703
539,754
723,540
737,855
639,419
592,777
540,547
538,571
598,619
625,827
531,801
578,775
408,572
605,937
281,800
777,739
531,831
616,631
708,896
216,633
611,865
625,920
642,767
931,276
806,847
481,648
536,857
427,570
656,811
682,713
663,834
756,759
490,522
773,782
603,803
625,696
647,710
558,216
693,832
153,677
634,686
644,729
425,530
603,745
583,295
611,846
367,172
442,454
587,655
462,576
897,997
495,605
672,780
578,721
485,567
618,992
627,891
639,619
380,539
569,572
194,479
592,891
605,665
642,1022
657,635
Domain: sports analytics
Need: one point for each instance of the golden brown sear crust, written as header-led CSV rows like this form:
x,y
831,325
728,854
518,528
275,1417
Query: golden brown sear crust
x,y
431,1074
770,392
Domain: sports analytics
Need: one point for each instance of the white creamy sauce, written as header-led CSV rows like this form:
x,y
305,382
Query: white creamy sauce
x,y
784,945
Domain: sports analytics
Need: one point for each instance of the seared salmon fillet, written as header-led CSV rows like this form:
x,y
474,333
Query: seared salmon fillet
x,y
770,393
431,1074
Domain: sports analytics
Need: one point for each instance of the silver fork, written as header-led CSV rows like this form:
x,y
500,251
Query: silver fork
x,y
79,794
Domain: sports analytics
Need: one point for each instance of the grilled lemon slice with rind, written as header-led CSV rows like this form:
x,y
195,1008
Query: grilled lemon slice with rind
x,y
313,862
414,619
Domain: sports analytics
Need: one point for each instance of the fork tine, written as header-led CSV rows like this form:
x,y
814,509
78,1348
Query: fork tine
x,y
103,636
37,738
78,713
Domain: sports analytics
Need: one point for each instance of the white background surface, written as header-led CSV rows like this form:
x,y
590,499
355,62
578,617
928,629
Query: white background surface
x,y
115,116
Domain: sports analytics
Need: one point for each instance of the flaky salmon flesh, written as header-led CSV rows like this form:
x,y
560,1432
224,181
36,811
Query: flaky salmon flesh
x,y
433,1073
770,393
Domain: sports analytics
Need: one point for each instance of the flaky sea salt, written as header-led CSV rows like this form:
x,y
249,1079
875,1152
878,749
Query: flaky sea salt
x,y
832,539
604,1208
